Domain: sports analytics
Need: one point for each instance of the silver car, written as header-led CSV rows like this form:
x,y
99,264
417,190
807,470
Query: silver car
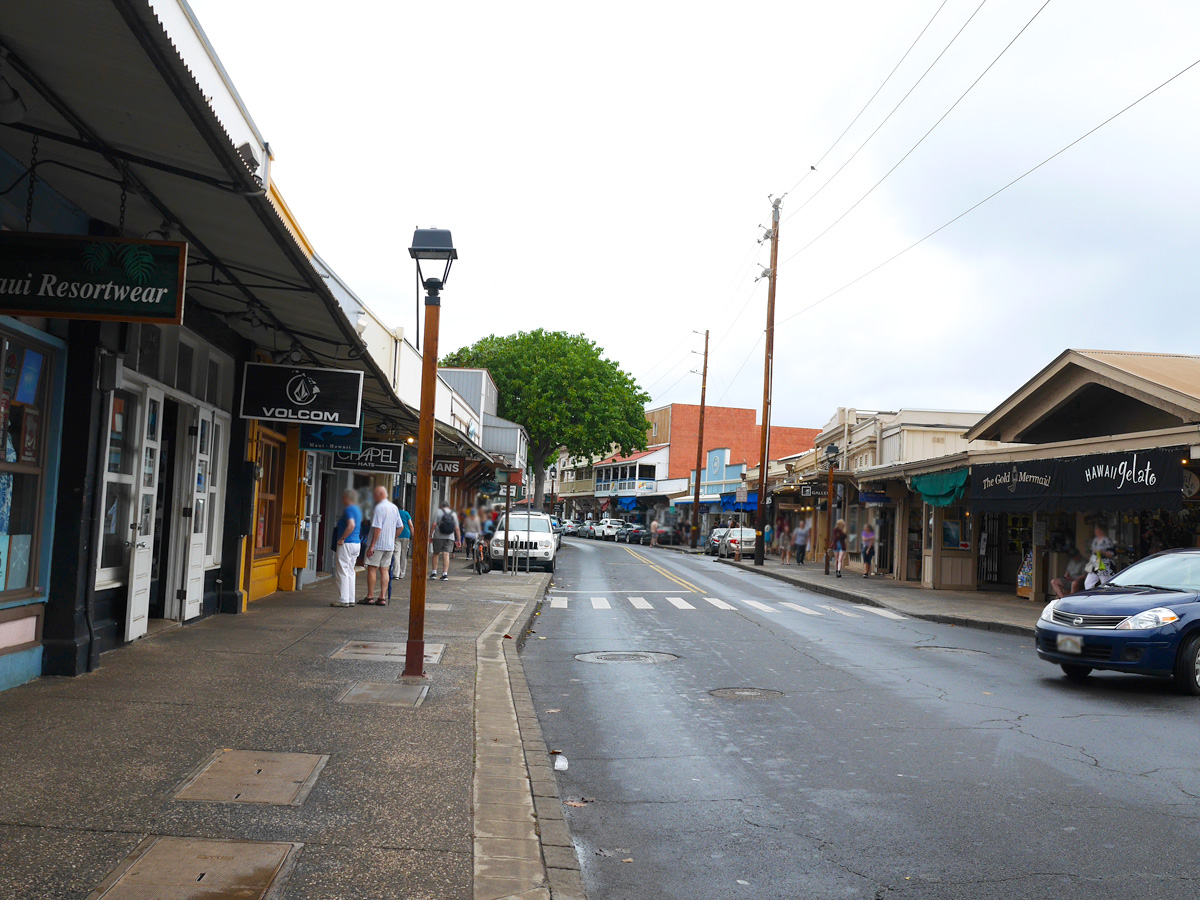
x,y
736,539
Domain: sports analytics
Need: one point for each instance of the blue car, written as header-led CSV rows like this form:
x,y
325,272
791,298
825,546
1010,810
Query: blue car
x,y
1146,620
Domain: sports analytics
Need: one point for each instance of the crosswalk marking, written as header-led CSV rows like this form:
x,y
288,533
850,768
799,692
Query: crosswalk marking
x,y
886,613
761,606
798,608
600,603
640,603
679,603
558,603
842,612
720,604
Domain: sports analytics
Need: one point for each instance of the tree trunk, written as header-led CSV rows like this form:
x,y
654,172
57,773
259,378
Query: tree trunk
x,y
537,462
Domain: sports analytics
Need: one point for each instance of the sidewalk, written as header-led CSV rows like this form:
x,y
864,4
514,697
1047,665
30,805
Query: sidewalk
x,y
972,609
428,802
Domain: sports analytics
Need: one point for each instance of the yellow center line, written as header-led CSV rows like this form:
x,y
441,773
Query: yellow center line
x,y
661,571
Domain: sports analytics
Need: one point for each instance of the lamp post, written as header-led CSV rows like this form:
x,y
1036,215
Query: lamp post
x,y
428,244
831,455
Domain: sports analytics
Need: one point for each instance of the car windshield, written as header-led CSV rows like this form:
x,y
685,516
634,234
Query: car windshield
x,y
526,523
1172,571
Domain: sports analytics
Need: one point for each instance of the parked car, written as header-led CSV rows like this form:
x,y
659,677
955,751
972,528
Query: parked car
x,y
606,529
531,538
667,535
570,527
713,541
1145,621
634,534
557,527
587,529
735,539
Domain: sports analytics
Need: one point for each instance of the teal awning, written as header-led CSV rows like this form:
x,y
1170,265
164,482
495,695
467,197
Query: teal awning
x,y
941,488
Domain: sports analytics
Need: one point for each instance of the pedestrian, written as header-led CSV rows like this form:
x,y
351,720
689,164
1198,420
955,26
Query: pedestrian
x,y
768,535
381,545
472,528
838,545
1101,566
785,543
800,540
1073,579
445,536
654,533
402,543
346,544
868,548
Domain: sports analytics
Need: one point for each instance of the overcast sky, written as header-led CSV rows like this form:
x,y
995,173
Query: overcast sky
x,y
604,168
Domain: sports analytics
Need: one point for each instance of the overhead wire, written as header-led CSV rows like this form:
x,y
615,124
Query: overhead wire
x,y
994,193
911,149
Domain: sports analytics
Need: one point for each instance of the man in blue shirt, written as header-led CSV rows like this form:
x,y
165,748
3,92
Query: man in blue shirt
x,y
402,543
347,540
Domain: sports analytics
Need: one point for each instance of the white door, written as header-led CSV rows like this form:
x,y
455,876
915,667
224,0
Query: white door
x,y
141,528
201,435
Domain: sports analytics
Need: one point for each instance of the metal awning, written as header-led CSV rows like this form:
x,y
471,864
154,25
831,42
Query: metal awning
x,y
112,102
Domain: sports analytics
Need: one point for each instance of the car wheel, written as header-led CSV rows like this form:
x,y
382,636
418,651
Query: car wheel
x,y
1076,673
550,565
1187,667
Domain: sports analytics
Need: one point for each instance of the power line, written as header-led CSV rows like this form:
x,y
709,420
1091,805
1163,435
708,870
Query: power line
x,y
941,118
673,386
890,114
733,321
686,354
994,193
871,99
742,366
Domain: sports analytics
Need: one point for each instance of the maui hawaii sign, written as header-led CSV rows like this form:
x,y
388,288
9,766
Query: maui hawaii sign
x,y
82,277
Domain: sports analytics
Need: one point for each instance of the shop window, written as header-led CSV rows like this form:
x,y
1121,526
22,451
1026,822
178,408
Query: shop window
x,y
212,545
149,360
121,468
185,364
270,491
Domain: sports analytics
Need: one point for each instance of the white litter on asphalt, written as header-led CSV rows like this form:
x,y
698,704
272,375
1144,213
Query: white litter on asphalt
x,y
558,603
842,612
803,609
679,603
720,604
560,763
600,603
640,603
886,613
761,606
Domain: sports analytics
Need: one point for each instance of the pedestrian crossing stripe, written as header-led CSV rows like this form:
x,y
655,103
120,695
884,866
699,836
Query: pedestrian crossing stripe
x,y
640,603
679,603
886,613
842,612
719,604
600,603
761,606
803,609
558,603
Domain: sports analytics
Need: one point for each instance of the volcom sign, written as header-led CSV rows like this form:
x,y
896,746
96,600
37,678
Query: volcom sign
x,y
302,395
385,458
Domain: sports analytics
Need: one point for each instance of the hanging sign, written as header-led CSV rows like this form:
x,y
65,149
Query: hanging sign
x,y
448,465
510,476
81,277
875,498
330,438
814,489
385,458
301,394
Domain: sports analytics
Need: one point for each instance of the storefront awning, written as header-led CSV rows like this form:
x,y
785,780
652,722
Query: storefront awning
x,y
729,502
941,488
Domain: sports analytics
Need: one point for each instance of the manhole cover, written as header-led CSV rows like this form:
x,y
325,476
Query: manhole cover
x,y
746,693
385,651
252,776
617,656
410,695
200,869
950,650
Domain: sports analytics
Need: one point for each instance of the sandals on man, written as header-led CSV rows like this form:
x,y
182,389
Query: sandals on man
x,y
380,602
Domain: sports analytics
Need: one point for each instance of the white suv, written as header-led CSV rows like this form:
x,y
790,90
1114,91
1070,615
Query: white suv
x,y
606,529
531,539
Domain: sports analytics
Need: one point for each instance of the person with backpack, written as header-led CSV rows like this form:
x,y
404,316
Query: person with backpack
x,y
445,536
402,541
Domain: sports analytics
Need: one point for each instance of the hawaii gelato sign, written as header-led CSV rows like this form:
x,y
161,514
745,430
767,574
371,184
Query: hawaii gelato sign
x,y
1123,473
70,277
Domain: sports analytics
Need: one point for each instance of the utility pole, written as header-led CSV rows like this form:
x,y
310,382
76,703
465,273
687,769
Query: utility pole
x,y
701,468
760,549
829,524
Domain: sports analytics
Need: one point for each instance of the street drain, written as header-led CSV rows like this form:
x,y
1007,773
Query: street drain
x,y
200,869
252,776
744,693
613,656
951,650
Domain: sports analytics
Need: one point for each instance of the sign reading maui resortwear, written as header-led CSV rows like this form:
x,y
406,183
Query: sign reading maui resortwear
x,y
301,394
71,277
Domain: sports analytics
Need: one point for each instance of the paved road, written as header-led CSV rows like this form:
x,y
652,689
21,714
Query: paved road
x,y
901,758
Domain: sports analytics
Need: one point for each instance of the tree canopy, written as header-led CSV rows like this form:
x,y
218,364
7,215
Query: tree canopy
x,y
563,390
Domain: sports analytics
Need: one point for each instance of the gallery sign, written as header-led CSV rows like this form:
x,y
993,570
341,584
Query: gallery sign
x,y
81,277
383,458
331,438
302,395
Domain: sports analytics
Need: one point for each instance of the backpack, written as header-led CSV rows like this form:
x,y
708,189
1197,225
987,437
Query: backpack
x,y
447,523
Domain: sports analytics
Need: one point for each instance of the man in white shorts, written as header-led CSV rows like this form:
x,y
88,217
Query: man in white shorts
x,y
385,525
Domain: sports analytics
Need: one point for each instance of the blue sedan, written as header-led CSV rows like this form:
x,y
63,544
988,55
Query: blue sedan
x,y
1146,620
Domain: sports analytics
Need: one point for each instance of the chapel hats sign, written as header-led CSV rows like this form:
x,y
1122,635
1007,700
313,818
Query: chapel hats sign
x,y
302,395
82,277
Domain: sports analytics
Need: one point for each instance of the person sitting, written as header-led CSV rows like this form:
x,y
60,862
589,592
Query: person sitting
x,y
1071,580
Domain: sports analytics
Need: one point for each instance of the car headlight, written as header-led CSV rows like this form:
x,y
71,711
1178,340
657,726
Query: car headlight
x,y
543,544
1048,612
1151,618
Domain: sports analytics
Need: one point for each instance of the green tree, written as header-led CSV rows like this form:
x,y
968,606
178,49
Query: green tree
x,y
565,393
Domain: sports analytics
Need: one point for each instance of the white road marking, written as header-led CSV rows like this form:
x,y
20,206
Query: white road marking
x,y
558,603
798,608
842,612
600,603
679,603
720,604
886,613
640,603
761,606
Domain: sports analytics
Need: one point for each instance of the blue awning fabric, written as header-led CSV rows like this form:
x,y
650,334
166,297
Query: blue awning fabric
x,y
627,503
729,502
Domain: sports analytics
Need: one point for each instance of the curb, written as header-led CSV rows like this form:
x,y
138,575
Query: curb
x,y
843,594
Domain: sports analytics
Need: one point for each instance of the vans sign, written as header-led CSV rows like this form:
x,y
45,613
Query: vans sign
x,y
448,465
383,458
302,395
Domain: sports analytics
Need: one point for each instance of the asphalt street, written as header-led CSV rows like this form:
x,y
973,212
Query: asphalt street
x,y
899,758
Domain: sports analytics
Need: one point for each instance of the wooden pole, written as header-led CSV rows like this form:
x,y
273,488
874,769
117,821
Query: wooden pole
x,y
829,532
768,366
701,468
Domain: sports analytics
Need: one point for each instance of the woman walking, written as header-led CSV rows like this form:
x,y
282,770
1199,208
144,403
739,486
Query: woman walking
x,y
785,544
868,548
800,540
347,542
838,545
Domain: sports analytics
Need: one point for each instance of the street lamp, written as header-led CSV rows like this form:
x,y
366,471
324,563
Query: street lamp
x,y
430,244
831,455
